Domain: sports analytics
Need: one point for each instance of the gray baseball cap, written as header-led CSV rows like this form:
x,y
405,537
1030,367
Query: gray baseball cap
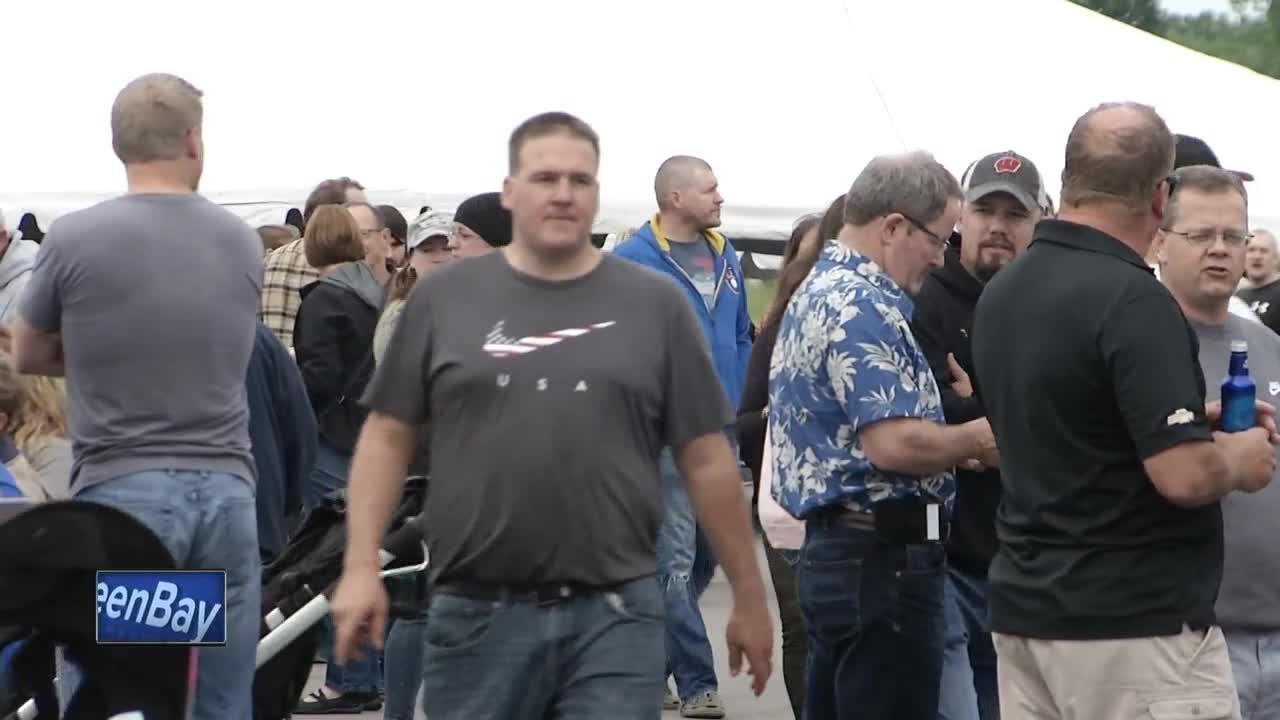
x,y
429,225
1006,172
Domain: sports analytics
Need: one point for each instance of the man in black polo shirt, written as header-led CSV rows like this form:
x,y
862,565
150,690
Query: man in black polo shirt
x,y
1109,525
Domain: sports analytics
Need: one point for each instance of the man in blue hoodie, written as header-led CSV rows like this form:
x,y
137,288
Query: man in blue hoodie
x,y
680,241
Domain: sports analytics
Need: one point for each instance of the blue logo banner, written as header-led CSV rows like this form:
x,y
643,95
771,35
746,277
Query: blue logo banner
x,y
145,607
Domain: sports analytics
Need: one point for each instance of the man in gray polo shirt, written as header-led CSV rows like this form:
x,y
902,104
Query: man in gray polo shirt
x,y
148,303
1201,250
557,374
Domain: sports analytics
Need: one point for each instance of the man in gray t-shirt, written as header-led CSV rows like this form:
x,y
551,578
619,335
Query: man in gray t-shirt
x,y
148,303
1202,255
551,377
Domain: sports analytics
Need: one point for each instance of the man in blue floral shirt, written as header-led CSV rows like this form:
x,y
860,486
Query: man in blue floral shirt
x,y
861,450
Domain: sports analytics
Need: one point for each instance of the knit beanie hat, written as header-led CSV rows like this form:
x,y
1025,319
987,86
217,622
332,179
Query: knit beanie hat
x,y
486,217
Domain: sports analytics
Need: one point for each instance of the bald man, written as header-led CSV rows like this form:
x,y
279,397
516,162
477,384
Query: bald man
x,y
1110,553
681,241
1262,270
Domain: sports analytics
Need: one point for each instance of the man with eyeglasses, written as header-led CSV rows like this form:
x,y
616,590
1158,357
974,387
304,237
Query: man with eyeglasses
x,y
862,452
1103,585
1201,249
480,225
1189,151
1003,199
375,237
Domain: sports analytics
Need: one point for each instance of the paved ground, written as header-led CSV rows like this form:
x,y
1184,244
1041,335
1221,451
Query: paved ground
x,y
736,692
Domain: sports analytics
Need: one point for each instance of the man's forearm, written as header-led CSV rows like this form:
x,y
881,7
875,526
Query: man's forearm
x,y
54,368
927,448
34,352
716,494
39,355
376,481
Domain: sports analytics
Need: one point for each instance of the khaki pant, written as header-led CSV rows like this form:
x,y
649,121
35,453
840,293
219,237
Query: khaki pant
x,y
1178,677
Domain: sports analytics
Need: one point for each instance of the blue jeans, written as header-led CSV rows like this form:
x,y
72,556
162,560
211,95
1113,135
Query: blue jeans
x,y
968,690
207,520
402,666
1255,663
364,675
328,475
874,613
683,579
589,657
358,675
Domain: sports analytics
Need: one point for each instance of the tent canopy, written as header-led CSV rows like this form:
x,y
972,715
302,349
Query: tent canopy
x,y
786,102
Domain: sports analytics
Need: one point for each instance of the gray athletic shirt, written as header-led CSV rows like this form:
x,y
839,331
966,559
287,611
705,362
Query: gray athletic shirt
x,y
156,297
548,404
1249,597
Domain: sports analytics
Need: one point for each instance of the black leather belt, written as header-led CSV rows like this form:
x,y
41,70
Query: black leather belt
x,y
906,525
535,594
844,517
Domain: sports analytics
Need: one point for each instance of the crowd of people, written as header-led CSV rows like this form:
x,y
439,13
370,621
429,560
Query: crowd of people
x,y
982,432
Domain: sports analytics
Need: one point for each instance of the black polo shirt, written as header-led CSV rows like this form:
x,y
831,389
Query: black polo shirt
x,y
1086,366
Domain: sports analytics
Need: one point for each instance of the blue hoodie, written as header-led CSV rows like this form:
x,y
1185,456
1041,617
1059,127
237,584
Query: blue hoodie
x,y
728,324
9,487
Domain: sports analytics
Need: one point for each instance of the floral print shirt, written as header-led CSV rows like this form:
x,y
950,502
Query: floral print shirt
x,y
846,359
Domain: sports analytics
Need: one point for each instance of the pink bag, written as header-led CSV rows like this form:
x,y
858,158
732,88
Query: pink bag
x,y
783,531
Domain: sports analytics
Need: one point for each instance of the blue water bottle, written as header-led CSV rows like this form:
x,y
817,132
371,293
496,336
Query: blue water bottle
x,y
1239,410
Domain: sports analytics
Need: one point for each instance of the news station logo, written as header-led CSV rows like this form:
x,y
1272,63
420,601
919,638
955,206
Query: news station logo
x,y
161,607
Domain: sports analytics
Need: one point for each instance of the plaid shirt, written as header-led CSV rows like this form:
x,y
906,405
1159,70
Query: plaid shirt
x,y
286,272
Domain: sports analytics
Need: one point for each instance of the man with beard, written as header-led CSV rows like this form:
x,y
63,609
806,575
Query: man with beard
x,y
1262,270
680,241
1003,193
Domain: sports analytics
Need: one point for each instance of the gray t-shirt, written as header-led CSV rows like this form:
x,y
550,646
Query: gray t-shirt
x,y
548,403
699,263
156,297
1250,593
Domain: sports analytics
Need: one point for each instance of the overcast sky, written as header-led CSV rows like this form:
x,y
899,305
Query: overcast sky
x,y
1193,7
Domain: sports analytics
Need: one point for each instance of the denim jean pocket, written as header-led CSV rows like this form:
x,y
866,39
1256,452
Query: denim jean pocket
x,y
639,600
156,512
829,585
925,559
456,623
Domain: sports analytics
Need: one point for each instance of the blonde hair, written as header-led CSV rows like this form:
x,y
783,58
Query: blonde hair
x,y
41,412
151,117
10,385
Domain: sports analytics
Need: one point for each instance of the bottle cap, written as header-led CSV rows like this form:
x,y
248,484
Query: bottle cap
x,y
1239,346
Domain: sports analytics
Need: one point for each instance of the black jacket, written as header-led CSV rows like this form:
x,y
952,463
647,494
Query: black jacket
x,y
333,343
941,324
755,398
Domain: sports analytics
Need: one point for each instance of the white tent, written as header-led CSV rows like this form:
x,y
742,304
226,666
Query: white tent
x,y
787,101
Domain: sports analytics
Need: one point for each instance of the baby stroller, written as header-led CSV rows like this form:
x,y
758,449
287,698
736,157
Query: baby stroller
x,y
294,586
49,555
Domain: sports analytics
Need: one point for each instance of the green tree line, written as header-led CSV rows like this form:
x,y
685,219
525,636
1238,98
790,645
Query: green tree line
x,y
1248,36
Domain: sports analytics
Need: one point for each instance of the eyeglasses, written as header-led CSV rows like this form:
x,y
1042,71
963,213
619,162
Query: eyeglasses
x,y
940,243
1206,238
